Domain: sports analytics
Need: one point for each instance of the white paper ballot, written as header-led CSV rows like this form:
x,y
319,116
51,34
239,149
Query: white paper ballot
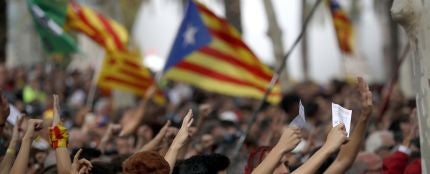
x,y
300,120
14,115
341,115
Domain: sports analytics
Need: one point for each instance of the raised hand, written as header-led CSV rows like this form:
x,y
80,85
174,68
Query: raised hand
x,y
205,110
179,140
366,97
150,92
33,125
290,138
80,166
57,118
59,139
183,132
335,138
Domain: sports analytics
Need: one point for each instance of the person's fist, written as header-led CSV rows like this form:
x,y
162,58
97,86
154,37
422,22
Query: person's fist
x,y
335,138
33,125
290,138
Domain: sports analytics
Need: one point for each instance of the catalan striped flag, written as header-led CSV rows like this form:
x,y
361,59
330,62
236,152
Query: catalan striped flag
x,y
106,32
343,26
209,53
124,71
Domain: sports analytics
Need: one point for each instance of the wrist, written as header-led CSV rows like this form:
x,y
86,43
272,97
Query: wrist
x,y
12,144
327,149
279,149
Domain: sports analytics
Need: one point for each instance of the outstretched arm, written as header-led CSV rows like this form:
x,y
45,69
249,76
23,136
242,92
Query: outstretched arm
x,y
138,115
4,111
59,135
334,140
179,140
289,140
20,165
349,151
155,143
8,158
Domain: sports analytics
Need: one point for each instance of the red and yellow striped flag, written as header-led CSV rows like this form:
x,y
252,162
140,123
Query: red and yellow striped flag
x,y
106,32
343,26
209,53
124,71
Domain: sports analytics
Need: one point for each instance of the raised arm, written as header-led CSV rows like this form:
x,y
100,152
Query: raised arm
x,y
59,137
334,140
179,140
289,140
8,158
112,128
155,143
138,115
349,151
4,111
21,162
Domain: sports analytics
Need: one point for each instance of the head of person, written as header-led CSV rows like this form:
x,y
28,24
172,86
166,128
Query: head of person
x,y
146,162
380,143
367,163
203,164
257,156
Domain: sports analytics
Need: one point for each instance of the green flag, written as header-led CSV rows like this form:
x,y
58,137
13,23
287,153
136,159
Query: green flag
x,y
49,17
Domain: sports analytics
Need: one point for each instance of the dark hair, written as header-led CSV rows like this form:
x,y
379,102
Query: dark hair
x,y
289,102
146,162
202,164
103,168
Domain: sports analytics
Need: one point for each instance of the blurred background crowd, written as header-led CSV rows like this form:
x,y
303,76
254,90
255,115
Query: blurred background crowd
x,y
109,135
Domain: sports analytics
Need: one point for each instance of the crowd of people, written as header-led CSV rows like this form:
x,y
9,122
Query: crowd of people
x,y
46,126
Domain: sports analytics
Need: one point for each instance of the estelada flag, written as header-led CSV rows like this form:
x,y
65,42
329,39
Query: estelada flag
x,y
343,26
124,71
208,53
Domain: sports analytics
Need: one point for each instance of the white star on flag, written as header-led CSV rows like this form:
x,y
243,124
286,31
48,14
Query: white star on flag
x,y
189,35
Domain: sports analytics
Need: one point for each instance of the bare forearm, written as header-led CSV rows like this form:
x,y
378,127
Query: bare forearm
x,y
7,161
139,114
316,160
269,163
349,151
171,155
63,160
20,165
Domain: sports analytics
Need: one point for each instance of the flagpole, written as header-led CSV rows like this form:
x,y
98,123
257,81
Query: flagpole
x,y
273,81
93,88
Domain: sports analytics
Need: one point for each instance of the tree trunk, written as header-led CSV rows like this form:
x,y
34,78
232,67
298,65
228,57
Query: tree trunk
x,y
304,44
390,36
3,30
275,34
233,13
413,17
129,9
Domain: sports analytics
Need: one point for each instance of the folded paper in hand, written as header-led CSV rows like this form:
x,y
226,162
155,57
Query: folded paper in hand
x,y
300,120
341,115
